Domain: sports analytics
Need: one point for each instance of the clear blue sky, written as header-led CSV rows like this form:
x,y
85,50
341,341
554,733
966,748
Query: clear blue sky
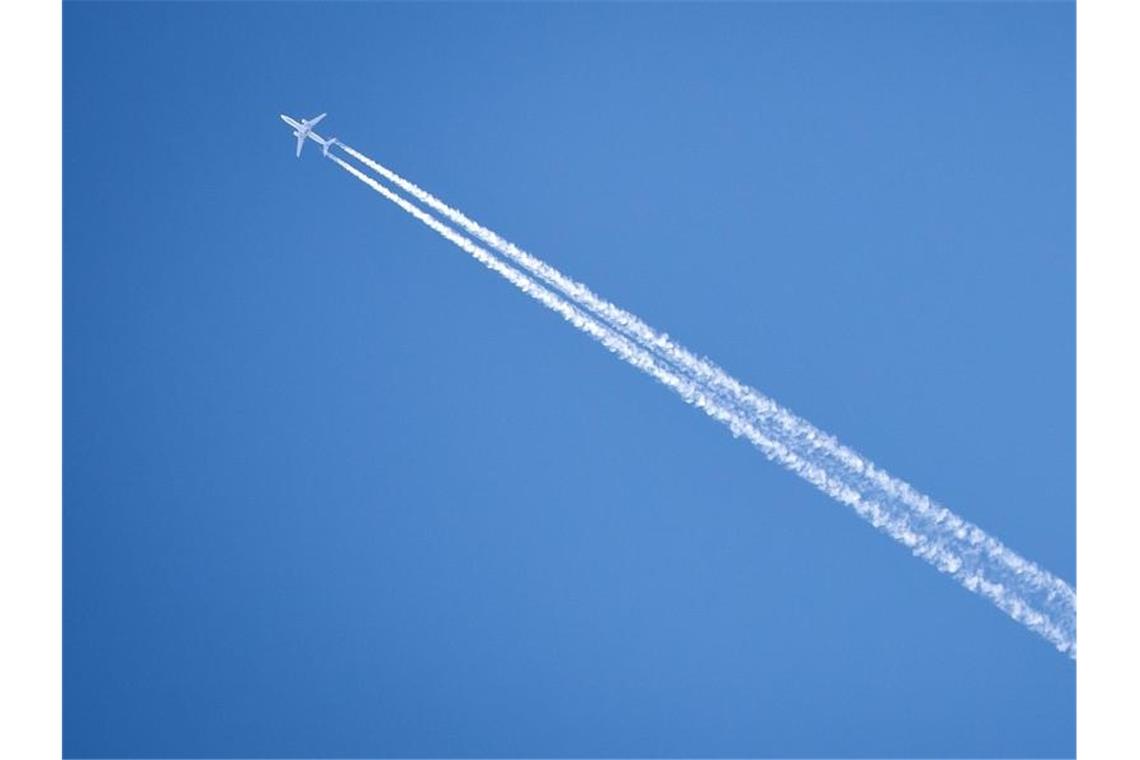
x,y
331,488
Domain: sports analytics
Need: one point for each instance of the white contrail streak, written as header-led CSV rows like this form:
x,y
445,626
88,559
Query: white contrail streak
x,y
751,402
982,564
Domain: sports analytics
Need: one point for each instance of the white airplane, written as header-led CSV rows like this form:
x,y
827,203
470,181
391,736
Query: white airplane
x,y
304,128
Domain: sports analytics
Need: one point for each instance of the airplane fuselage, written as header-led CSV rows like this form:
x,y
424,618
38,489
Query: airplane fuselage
x,y
303,130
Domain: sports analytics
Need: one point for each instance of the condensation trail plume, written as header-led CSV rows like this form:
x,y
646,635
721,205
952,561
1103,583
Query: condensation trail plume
x,y
1029,594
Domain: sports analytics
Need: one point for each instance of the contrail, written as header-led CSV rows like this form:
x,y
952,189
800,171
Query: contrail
x,y
750,401
1029,594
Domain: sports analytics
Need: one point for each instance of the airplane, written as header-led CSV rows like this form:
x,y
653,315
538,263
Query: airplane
x,y
304,128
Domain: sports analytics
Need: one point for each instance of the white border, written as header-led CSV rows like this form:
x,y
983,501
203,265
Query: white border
x,y
1108,351
30,383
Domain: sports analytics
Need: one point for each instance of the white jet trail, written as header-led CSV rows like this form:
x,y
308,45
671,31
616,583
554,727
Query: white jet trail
x,y
1027,593
750,401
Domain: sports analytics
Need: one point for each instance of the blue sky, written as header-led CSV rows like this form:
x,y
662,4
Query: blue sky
x,y
331,488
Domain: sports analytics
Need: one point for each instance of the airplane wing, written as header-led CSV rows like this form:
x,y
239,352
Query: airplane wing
x,y
313,121
300,143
